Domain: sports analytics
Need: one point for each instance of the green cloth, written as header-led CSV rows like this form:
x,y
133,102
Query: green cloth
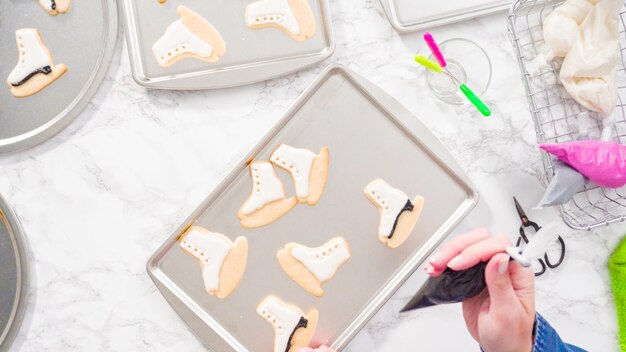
x,y
617,269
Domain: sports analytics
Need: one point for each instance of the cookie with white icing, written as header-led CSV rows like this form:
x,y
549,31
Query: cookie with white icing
x,y
189,36
35,68
294,17
292,328
223,261
308,170
398,213
55,7
267,201
311,267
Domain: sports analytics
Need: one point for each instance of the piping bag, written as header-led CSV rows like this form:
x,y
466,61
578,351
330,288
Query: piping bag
x,y
457,286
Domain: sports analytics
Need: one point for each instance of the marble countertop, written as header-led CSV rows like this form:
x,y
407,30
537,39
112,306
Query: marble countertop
x,y
99,198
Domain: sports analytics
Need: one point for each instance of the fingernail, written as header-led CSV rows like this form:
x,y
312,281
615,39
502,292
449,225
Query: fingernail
x,y
503,266
456,260
436,257
429,269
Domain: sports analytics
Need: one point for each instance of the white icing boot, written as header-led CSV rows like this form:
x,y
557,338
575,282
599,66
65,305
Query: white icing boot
x,y
55,7
293,330
293,17
267,202
310,267
223,262
398,214
309,171
35,68
190,36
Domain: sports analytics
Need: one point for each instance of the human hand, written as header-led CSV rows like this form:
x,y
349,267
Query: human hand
x,y
319,349
501,318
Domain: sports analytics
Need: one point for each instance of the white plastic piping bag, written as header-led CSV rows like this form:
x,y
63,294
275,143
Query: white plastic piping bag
x,y
537,246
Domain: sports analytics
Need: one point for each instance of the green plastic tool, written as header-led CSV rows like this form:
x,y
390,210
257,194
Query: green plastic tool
x,y
471,96
475,100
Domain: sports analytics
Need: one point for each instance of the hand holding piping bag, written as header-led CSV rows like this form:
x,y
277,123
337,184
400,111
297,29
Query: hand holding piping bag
x,y
501,317
439,67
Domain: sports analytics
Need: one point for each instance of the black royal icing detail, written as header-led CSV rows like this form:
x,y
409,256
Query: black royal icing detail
x,y
302,323
407,207
53,4
45,70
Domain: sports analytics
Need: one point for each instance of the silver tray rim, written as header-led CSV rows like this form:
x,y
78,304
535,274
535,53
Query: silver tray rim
x,y
253,72
389,9
402,115
19,310
70,113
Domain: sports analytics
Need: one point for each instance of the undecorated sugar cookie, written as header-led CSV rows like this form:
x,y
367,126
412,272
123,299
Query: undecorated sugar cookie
x,y
293,329
35,68
190,36
55,7
223,262
308,170
398,214
293,17
267,201
310,267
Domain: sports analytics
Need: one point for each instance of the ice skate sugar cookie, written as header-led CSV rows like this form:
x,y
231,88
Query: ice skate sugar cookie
x,y
35,68
190,36
293,329
398,214
310,267
223,261
267,202
55,7
309,171
293,17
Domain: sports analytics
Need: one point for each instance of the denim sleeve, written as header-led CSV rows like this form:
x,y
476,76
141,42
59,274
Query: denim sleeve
x,y
548,340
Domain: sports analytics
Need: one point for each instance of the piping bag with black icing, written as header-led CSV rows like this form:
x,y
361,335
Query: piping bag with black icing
x,y
457,286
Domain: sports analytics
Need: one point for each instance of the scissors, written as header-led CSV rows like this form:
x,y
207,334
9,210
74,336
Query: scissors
x,y
526,223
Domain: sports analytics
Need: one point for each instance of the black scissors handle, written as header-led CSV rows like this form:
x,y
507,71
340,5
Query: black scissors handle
x,y
552,266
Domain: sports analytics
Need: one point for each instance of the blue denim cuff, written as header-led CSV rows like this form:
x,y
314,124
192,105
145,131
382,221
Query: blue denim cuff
x,y
548,340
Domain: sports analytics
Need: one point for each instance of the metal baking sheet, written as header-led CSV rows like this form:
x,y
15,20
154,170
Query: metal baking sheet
x,y
83,39
412,15
13,276
251,55
370,135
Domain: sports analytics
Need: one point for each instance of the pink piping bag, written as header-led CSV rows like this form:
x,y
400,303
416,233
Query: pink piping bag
x,y
604,163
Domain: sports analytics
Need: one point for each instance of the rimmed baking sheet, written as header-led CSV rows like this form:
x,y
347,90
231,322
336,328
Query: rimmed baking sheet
x,y
412,15
83,39
370,135
13,276
251,55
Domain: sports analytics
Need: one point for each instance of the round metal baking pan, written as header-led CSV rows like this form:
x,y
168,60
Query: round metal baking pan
x,y
13,276
83,39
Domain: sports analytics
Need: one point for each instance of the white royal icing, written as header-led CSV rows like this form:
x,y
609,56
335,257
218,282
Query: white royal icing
x,y
298,162
266,187
283,318
33,55
46,4
211,249
325,260
272,11
178,40
390,200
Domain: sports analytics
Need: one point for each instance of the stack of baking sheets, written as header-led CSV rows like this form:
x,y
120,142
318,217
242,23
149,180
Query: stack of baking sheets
x,y
252,55
370,135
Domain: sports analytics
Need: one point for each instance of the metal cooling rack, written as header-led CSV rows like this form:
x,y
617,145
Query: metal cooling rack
x,y
556,114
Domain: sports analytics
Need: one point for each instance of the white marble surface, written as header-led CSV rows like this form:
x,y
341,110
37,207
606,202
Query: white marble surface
x,y
100,197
